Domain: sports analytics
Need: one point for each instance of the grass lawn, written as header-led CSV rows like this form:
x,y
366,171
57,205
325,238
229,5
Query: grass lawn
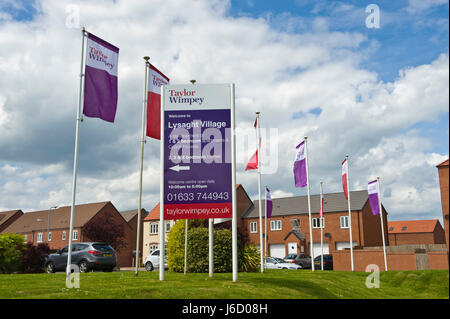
x,y
274,284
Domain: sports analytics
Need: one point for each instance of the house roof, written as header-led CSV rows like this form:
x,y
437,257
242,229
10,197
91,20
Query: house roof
x,y
334,202
59,218
130,214
444,163
412,226
4,216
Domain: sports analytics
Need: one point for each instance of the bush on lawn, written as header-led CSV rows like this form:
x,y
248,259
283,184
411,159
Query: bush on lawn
x,y
33,258
11,248
198,250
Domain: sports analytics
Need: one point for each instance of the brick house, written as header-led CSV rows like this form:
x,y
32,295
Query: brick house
x,y
131,217
9,217
443,182
416,232
282,240
53,226
151,222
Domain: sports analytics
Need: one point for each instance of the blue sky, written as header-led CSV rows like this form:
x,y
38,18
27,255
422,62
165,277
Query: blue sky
x,y
311,67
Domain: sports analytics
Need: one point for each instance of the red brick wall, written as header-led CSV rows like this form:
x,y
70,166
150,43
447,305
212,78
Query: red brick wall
x,y
412,239
443,181
438,259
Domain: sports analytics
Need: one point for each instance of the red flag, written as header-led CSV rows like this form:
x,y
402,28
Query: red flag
x,y
253,162
256,123
155,80
344,178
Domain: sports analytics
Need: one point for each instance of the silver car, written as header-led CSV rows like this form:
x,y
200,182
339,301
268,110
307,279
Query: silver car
x,y
278,263
152,261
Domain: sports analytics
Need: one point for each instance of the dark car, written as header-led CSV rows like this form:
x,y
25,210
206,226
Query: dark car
x,y
300,259
87,256
327,262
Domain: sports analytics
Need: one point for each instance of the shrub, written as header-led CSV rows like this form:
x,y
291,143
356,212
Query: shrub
x,y
249,258
33,258
175,247
11,248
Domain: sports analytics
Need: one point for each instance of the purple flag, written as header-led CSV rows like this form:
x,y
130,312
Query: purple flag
x,y
300,166
100,84
268,203
372,189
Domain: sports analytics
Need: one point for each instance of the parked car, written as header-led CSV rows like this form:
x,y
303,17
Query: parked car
x,y
274,263
152,261
88,256
299,259
327,262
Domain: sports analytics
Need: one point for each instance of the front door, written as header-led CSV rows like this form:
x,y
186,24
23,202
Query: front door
x,y
292,248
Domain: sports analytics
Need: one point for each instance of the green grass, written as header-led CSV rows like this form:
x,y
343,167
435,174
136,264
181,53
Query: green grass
x,y
274,284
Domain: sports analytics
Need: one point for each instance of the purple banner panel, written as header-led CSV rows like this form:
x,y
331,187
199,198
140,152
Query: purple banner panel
x,y
372,189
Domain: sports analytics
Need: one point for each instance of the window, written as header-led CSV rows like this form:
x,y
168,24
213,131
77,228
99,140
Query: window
x,y
344,222
391,228
404,228
153,228
253,227
39,237
25,238
275,225
75,235
167,227
318,222
153,248
49,236
64,235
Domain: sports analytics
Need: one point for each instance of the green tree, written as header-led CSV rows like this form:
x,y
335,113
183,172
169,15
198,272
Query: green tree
x,y
11,249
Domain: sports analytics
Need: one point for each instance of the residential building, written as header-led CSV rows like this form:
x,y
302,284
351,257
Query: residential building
x,y
53,227
9,217
131,217
443,182
414,232
284,237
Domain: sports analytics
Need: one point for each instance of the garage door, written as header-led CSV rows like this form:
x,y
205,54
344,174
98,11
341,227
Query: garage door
x,y
318,249
344,244
277,250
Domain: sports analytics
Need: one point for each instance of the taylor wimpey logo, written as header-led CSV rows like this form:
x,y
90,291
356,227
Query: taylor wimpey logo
x,y
184,96
158,82
98,55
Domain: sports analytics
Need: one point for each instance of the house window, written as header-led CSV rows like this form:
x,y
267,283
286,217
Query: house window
x,y
167,227
344,222
153,228
253,227
25,238
39,237
49,236
391,228
75,235
275,225
64,235
153,248
404,228
318,223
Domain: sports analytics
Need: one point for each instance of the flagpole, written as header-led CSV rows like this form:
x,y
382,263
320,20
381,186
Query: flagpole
x,y
75,157
382,223
265,226
141,169
321,225
349,216
309,205
234,248
161,193
259,193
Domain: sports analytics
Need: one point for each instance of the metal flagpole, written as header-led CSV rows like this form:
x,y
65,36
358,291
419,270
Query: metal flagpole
x,y
265,227
259,193
211,247
321,225
309,205
349,216
162,252
234,248
382,223
185,245
75,157
143,141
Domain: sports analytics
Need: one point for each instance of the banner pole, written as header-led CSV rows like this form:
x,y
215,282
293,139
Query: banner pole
x,y
211,247
233,189
161,193
321,225
259,194
382,223
309,206
349,216
265,226
75,157
141,167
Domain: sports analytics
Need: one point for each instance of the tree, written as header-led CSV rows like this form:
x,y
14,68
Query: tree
x,y
11,248
104,228
33,258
